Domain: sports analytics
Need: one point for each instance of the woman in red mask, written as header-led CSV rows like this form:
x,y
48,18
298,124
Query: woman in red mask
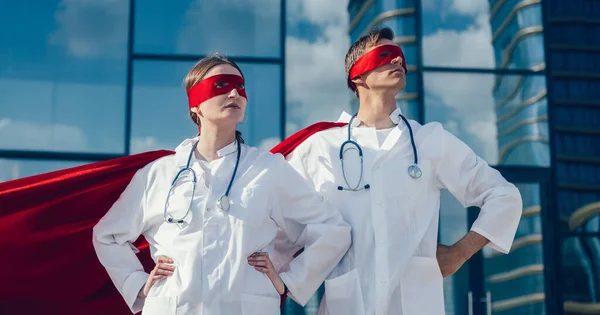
x,y
210,213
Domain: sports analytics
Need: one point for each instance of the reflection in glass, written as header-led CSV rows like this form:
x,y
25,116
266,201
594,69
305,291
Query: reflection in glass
x,y
18,168
502,118
62,85
160,115
581,273
231,27
505,34
516,280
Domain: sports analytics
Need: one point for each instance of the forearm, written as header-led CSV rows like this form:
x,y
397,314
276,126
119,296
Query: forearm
x,y
470,244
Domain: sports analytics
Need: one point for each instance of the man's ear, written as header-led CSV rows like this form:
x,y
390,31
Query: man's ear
x,y
358,81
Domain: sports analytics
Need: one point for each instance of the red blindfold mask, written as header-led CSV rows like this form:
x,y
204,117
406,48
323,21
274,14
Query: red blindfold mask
x,y
214,86
377,57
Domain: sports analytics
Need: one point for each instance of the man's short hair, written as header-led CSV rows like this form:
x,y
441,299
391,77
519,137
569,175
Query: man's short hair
x,y
359,48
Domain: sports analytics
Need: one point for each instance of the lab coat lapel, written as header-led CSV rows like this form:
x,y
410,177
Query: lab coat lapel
x,y
397,140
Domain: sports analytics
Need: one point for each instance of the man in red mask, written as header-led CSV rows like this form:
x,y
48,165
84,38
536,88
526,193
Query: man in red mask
x,y
385,174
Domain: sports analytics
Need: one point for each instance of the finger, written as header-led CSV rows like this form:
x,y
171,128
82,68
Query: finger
x,y
262,269
261,254
258,259
165,259
164,272
158,277
260,263
166,267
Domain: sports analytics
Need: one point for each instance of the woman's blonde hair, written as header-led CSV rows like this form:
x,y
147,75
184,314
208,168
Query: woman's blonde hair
x,y
197,73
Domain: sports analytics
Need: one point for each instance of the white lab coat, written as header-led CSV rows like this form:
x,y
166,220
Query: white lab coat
x,y
210,249
391,266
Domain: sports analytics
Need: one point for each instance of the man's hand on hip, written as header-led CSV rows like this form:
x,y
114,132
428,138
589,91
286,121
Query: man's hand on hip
x,y
451,258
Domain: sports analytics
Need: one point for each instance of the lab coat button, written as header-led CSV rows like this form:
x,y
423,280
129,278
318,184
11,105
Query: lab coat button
x,y
207,209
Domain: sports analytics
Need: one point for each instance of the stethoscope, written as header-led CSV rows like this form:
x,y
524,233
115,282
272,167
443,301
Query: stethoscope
x,y
413,171
223,202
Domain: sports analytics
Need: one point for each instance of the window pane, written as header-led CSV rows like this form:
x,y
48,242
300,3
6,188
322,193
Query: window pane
x,y
503,118
579,210
516,275
18,168
233,28
580,273
472,33
160,116
62,79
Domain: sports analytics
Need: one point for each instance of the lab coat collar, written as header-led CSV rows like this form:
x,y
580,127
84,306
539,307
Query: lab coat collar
x,y
182,151
394,117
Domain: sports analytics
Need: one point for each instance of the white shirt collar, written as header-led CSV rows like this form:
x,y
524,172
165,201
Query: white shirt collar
x,y
394,117
182,152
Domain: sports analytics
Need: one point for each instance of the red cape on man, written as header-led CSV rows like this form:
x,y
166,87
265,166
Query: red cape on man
x,y
47,259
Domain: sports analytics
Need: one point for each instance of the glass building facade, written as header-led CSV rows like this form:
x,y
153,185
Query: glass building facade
x,y
517,80
83,81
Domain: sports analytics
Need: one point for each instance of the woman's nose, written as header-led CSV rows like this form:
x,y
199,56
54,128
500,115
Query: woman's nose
x,y
233,94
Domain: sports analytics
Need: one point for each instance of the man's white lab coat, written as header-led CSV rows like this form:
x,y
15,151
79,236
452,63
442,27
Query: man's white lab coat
x,y
210,249
391,266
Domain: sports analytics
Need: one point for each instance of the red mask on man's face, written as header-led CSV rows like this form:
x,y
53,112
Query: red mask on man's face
x,y
377,57
214,86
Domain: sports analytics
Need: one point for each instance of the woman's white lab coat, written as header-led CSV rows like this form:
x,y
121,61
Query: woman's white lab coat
x,y
210,248
391,266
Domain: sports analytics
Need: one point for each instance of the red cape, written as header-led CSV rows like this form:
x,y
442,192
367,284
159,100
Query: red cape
x,y
47,259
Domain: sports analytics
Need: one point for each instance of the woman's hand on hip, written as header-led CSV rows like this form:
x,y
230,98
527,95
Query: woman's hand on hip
x,y
162,270
261,262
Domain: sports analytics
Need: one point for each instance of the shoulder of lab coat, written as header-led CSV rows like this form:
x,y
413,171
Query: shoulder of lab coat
x,y
474,183
114,234
306,218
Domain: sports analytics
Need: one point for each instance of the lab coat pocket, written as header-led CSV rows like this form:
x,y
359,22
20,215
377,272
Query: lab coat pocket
x,y
259,305
343,295
160,306
422,287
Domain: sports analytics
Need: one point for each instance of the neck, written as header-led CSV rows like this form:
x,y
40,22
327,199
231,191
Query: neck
x,y
213,139
375,110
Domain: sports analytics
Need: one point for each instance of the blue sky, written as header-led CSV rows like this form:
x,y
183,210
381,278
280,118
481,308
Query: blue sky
x,y
62,72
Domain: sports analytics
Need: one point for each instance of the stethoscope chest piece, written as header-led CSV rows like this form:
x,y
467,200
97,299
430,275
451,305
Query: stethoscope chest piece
x,y
223,203
414,171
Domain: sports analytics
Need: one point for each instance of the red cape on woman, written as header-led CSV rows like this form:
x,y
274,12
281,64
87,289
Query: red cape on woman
x,y
47,260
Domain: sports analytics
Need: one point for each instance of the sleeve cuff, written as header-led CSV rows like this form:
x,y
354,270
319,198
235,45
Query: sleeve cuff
x,y
293,292
131,289
495,243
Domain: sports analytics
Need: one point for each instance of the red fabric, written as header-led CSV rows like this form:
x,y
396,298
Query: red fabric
x,y
375,58
47,259
214,86
288,145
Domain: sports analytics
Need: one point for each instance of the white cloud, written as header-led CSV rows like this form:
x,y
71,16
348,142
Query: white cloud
x,y
469,48
147,143
269,143
316,88
91,28
27,135
471,7
468,94
322,12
